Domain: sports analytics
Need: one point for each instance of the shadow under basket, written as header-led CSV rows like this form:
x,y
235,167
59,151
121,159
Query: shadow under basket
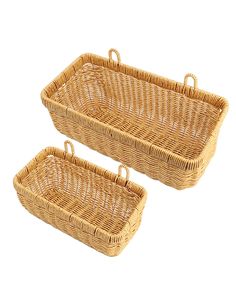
x,y
93,205
165,129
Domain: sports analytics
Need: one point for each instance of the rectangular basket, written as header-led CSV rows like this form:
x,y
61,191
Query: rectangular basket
x,y
93,205
165,129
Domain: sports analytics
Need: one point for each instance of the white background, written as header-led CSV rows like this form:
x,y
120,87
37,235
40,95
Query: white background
x,y
187,239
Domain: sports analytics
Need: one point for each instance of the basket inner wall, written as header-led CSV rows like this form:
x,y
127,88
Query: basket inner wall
x,y
160,116
91,197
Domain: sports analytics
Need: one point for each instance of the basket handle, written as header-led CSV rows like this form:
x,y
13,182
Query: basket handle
x,y
195,81
72,149
122,166
116,52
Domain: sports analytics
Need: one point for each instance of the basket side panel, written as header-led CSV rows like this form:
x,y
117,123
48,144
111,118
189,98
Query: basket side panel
x,y
150,165
69,228
164,118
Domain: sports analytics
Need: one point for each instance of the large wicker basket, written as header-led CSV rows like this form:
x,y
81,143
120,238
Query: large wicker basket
x,y
165,129
91,204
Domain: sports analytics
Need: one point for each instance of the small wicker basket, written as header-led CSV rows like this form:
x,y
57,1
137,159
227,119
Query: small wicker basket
x,y
93,205
165,129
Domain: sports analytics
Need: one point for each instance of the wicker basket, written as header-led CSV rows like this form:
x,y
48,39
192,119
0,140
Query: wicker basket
x,y
93,205
165,129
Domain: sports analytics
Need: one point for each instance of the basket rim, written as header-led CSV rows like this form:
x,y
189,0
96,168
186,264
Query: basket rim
x,y
141,145
77,161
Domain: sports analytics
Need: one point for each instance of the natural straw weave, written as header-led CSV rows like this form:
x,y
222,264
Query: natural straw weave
x,y
165,129
93,205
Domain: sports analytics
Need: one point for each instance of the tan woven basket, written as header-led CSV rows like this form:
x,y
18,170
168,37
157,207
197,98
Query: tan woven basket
x,y
93,205
165,129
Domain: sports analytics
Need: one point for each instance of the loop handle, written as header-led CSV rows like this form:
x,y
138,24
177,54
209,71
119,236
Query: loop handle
x,y
72,149
116,53
195,81
122,166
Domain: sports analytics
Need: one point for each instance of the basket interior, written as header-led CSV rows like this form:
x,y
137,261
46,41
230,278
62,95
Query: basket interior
x,y
160,116
90,196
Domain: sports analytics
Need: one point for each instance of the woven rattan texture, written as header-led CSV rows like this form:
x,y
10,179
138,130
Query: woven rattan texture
x,y
99,208
169,120
156,168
